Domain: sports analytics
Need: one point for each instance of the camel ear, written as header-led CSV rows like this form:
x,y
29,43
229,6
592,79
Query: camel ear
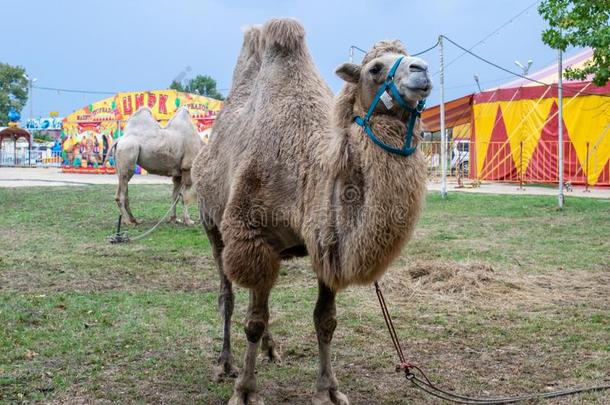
x,y
349,72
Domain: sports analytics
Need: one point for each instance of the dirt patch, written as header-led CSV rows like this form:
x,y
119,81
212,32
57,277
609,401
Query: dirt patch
x,y
156,273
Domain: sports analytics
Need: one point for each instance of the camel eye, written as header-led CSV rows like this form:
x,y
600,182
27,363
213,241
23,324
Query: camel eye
x,y
375,70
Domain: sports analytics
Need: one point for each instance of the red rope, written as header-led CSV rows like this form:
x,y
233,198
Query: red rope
x,y
404,364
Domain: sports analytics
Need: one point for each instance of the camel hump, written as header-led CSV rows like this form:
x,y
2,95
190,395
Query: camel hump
x,y
144,116
253,39
182,117
143,111
286,33
182,113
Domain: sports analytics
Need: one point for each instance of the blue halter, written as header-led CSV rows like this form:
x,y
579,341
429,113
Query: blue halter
x,y
406,149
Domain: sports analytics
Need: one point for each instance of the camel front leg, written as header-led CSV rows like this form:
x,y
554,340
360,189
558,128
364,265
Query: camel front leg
x,y
129,213
122,200
325,322
256,323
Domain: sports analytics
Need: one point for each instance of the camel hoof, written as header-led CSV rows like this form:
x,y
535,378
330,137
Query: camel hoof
x,y
330,397
189,222
225,371
243,398
130,221
272,356
173,220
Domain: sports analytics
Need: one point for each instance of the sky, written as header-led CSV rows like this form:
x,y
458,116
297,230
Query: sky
x,y
135,45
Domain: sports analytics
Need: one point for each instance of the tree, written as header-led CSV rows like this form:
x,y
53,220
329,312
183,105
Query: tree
x,y
176,85
13,90
200,84
581,23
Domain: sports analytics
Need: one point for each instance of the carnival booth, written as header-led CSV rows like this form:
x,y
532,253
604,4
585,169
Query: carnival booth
x,y
89,132
513,129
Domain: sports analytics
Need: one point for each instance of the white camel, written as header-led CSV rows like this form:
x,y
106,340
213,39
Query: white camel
x,y
165,151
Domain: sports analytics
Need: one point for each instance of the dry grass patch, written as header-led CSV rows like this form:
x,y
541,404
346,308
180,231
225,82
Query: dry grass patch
x,y
479,284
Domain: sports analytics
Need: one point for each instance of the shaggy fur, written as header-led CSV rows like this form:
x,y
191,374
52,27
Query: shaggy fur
x,y
289,173
382,48
168,151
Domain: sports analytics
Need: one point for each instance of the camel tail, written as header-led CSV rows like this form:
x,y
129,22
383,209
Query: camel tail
x,y
112,149
285,33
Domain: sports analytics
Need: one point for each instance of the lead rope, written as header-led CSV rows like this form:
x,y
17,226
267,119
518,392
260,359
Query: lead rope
x,y
123,237
426,385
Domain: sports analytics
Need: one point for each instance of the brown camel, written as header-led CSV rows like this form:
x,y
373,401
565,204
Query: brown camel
x,y
289,173
167,151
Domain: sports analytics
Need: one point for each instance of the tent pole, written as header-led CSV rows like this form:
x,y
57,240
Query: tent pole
x,y
443,132
587,172
560,197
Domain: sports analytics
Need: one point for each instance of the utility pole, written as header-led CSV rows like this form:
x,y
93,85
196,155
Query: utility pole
x,y
30,94
476,79
560,126
443,132
352,48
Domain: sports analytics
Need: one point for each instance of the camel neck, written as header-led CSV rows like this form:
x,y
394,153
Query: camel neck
x,y
372,199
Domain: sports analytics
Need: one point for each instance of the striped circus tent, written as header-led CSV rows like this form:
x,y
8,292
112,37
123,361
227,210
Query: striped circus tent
x,y
513,129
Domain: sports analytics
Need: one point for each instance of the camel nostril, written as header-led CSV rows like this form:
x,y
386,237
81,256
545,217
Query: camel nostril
x,y
417,67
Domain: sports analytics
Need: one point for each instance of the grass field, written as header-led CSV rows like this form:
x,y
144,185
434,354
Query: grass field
x,y
494,296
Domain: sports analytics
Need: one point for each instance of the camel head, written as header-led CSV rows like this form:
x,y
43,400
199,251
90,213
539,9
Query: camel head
x,y
410,76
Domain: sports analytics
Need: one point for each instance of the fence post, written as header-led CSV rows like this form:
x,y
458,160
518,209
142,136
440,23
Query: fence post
x,y
521,165
443,129
587,171
560,196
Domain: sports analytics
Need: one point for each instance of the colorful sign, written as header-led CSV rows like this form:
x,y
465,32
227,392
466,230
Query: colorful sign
x,y
42,124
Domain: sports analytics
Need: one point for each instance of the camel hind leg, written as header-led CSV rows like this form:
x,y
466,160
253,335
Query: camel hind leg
x,y
225,304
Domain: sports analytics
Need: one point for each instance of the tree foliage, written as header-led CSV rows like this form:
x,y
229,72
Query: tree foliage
x,y
580,23
200,84
13,90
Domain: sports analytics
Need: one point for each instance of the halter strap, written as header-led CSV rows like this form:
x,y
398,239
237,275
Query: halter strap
x,y
415,113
